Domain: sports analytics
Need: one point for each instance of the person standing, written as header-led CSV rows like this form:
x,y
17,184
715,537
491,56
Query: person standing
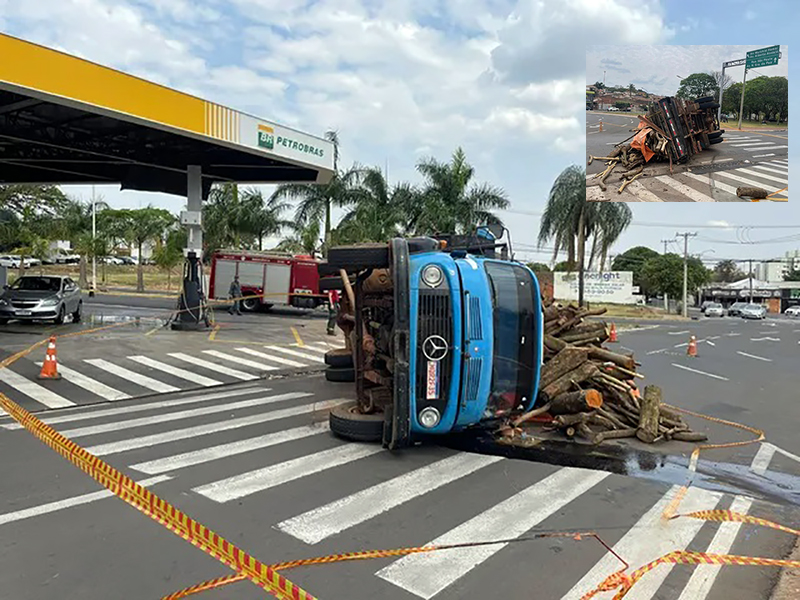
x,y
333,309
235,293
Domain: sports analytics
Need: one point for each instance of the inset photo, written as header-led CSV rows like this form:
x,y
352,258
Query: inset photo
x,y
687,123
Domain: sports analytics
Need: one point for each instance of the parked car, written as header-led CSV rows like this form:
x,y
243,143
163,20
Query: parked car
x,y
47,297
714,310
792,311
705,305
613,109
753,311
66,258
126,260
10,261
735,309
111,260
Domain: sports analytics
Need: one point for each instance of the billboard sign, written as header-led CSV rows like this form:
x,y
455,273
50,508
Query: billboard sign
x,y
615,287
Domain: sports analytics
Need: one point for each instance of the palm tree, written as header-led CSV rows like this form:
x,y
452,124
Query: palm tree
x,y
262,218
304,241
141,226
75,225
448,203
607,222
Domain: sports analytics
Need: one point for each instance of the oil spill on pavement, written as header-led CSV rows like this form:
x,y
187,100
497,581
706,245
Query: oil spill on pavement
x,y
98,320
728,478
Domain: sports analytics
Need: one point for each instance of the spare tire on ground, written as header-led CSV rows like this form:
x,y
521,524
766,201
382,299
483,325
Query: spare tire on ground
x,y
341,358
340,374
348,423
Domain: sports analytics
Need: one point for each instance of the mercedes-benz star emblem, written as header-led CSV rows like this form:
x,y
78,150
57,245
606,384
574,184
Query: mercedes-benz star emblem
x,y
435,348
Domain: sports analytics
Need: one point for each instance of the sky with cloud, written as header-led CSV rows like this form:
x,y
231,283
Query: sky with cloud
x,y
406,79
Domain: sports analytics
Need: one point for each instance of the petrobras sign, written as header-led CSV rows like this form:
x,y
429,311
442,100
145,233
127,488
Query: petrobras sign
x,y
615,287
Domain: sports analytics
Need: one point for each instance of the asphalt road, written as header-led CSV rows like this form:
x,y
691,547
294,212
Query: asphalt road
x,y
744,158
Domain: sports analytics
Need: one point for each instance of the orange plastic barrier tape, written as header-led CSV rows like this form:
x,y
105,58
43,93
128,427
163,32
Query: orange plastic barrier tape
x,y
248,567
729,515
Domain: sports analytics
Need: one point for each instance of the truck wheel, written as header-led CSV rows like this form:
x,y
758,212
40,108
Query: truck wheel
x,y
356,258
714,134
3,321
250,304
332,283
324,269
707,105
340,374
346,422
339,358
705,99
715,140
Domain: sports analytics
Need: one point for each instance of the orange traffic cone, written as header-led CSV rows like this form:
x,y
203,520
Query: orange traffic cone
x,y
692,349
50,364
601,124
612,334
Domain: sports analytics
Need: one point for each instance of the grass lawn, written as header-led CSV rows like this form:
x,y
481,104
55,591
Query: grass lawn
x,y
634,311
115,276
732,125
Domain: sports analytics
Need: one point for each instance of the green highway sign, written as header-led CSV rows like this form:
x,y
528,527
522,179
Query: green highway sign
x,y
763,57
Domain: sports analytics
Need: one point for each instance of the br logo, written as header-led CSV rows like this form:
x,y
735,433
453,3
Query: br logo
x,y
266,137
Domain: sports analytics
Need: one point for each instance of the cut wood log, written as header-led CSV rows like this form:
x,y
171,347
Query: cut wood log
x,y
531,414
576,402
551,312
564,383
563,362
562,421
648,414
583,430
615,435
607,413
602,421
584,330
689,436
618,359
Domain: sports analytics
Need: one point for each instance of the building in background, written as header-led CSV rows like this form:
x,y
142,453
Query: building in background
x,y
774,270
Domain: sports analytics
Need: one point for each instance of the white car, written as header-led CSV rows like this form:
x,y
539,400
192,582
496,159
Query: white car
x,y
613,109
792,311
753,311
12,261
714,309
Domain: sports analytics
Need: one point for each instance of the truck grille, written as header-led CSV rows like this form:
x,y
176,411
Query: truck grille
x,y
475,324
435,318
472,376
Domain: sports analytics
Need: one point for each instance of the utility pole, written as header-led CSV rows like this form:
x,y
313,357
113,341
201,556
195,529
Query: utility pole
x,y
666,296
750,277
686,237
741,102
94,243
581,252
665,242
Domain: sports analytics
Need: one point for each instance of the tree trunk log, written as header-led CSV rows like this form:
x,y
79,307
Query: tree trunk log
x,y
565,361
531,414
562,421
551,312
622,360
576,402
648,415
585,330
608,414
689,436
564,383
615,435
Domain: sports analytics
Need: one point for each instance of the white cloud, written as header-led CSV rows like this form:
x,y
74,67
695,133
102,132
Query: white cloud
x,y
720,224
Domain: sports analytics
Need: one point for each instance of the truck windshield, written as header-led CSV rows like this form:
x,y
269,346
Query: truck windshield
x,y
513,364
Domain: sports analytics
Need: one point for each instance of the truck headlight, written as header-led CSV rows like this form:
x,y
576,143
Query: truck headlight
x,y
432,275
429,417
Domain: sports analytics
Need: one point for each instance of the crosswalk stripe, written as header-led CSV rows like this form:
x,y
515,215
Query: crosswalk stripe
x,y
762,155
752,144
196,457
781,160
641,192
685,189
146,441
259,480
39,393
425,575
767,148
137,378
652,536
43,509
712,182
310,357
240,360
90,384
315,525
770,169
736,138
277,359
316,348
199,362
175,371
775,163
177,416
703,576
763,175
762,458
122,410
730,175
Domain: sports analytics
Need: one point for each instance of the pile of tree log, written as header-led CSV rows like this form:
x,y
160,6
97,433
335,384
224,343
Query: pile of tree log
x,y
589,391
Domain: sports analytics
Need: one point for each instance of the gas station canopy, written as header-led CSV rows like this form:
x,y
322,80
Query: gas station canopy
x,y
64,120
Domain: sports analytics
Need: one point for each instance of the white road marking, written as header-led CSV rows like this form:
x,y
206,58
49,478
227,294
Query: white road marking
x,y
733,334
196,457
703,576
296,353
762,155
651,537
713,183
787,454
39,393
137,378
764,175
425,575
314,347
730,175
181,414
43,509
121,410
684,332
146,441
768,148
199,362
641,192
753,356
685,189
781,160
315,525
765,339
700,372
752,144
175,371
710,343
762,458
658,351
241,361
770,169
245,484
277,359
92,385
643,328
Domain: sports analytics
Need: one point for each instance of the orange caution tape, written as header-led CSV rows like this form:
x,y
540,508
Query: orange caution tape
x,y
729,515
144,500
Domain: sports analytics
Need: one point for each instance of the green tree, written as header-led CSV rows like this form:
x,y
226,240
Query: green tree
x,y
622,105
698,85
633,260
731,99
305,240
599,85
448,202
726,271
45,200
259,217
169,253
74,223
631,90
564,266
663,274
141,226
793,275
538,267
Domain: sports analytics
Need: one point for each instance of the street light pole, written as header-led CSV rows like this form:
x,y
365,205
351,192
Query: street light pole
x,y
686,237
94,242
741,102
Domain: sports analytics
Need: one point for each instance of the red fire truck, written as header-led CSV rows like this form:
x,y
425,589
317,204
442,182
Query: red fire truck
x,y
278,278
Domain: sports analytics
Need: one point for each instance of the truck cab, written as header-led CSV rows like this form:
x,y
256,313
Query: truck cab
x,y
460,342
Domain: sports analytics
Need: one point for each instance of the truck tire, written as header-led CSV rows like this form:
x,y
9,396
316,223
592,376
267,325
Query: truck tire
x,y
340,374
339,358
356,258
708,105
705,99
333,283
715,140
346,422
250,304
715,134
324,269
